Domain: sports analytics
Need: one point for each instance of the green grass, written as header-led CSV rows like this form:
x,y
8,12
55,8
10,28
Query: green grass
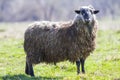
x,y
102,64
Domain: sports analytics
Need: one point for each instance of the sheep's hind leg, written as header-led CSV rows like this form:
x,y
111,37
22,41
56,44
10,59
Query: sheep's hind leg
x,y
82,65
31,72
78,66
26,69
29,69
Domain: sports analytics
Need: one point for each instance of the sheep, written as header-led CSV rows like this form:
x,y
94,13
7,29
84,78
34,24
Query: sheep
x,y
53,42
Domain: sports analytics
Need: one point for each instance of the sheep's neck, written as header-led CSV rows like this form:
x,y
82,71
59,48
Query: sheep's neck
x,y
79,25
79,29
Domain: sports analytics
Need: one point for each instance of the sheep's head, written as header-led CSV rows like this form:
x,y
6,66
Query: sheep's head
x,y
86,14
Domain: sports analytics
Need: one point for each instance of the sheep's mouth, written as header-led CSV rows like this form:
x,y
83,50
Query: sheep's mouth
x,y
87,21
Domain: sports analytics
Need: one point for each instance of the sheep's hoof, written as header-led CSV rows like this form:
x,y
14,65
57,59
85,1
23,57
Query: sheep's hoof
x,y
32,75
83,72
26,72
78,73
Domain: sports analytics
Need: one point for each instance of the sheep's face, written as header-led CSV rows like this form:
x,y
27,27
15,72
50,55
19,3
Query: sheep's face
x,y
86,14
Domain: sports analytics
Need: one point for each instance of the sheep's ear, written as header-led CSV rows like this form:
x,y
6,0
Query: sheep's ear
x,y
95,11
77,11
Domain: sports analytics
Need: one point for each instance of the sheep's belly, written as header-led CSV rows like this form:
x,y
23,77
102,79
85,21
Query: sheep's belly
x,y
51,56
48,58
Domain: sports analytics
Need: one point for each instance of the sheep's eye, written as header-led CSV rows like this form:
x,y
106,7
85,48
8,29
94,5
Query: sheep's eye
x,y
91,11
83,14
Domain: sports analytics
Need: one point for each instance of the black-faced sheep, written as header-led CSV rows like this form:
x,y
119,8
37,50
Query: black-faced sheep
x,y
52,42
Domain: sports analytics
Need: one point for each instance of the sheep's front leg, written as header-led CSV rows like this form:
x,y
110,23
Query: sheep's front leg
x,y
82,61
78,66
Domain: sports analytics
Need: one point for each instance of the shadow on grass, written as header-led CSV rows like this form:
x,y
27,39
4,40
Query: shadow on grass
x,y
25,77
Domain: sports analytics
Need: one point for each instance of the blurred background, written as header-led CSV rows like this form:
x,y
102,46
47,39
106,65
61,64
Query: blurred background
x,y
32,10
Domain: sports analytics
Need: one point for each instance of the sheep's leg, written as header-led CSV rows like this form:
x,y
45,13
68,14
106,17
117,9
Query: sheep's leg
x,y
82,65
31,72
26,69
55,63
78,66
29,68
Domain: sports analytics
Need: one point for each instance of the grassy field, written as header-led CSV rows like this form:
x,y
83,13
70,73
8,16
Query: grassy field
x,y
102,64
